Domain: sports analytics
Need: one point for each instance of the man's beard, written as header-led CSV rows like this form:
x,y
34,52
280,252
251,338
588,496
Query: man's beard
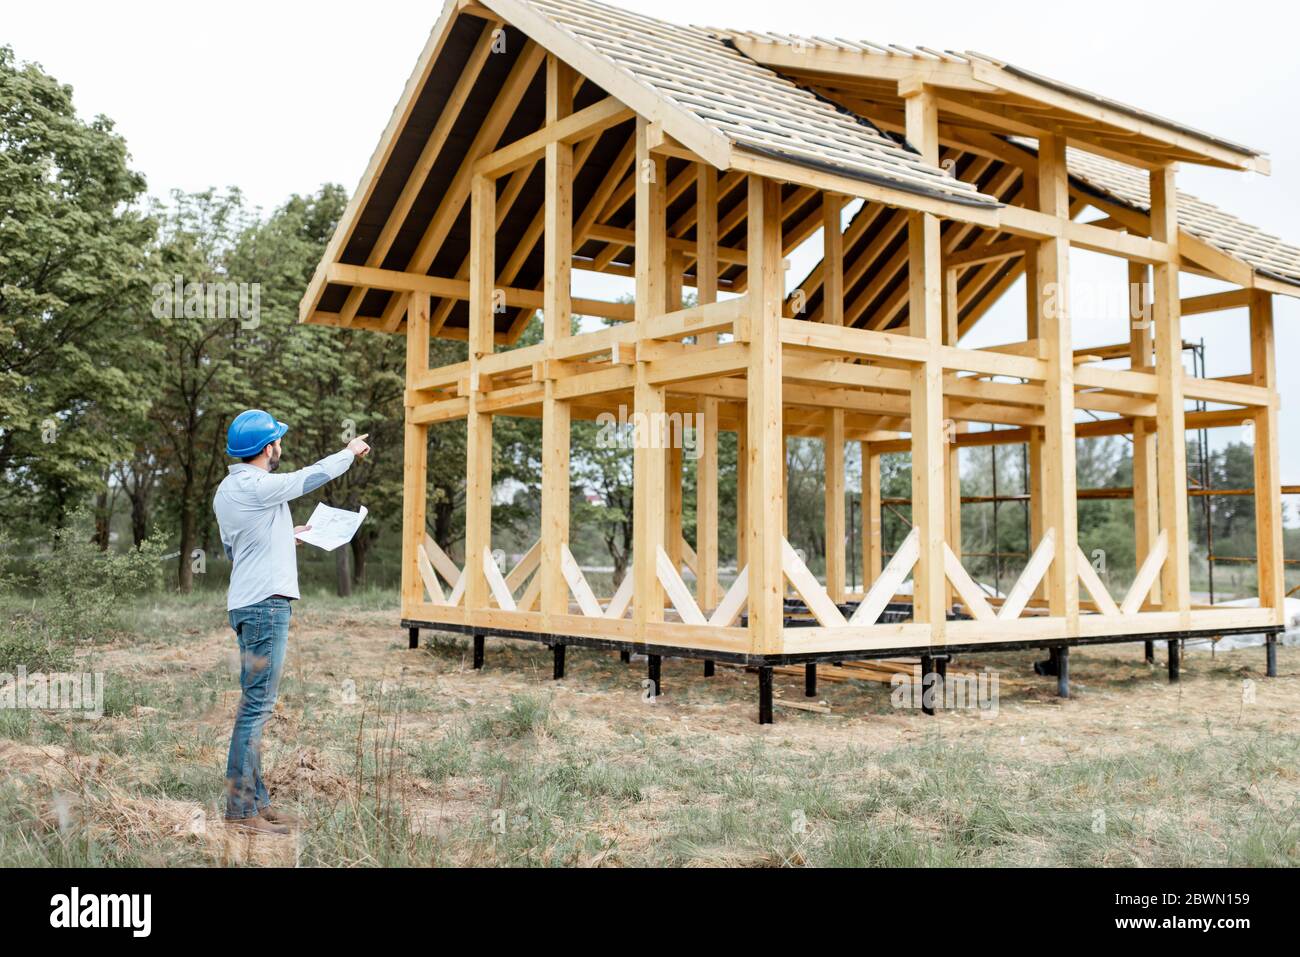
x,y
273,464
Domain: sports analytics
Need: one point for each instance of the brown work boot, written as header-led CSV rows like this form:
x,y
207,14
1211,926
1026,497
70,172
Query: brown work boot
x,y
279,817
258,825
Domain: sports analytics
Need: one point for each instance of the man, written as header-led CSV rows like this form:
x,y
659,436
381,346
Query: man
x,y
252,506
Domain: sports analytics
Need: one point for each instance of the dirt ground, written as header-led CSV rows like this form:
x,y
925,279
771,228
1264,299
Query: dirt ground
x,y
412,757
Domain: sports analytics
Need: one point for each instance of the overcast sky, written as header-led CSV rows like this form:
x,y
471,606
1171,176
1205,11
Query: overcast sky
x,y
278,97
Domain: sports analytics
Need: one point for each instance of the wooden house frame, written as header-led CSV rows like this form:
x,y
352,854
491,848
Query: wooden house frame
x,y
536,137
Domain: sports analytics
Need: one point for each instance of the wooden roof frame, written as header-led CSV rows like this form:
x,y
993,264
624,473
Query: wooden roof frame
x,y
962,79
676,132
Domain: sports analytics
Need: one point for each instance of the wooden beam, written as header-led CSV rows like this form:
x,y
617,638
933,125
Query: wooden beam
x,y
1146,474
836,585
928,426
478,436
1171,437
557,325
1268,478
566,130
706,465
485,140
512,297
765,438
649,494
872,545
424,164
1058,453
415,458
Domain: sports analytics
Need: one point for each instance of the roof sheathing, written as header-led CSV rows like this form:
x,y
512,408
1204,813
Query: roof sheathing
x,y
752,106
971,59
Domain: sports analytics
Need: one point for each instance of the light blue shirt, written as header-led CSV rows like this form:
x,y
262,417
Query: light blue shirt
x,y
252,507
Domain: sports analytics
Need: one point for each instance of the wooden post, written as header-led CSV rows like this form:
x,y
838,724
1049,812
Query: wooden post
x,y
952,512
673,452
478,425
742,496
1034,447
1268,477
1146,475
834,458
673,494
1171,439
873,555
648,493
833,313
765,438
415,457
706,465
928,428
1060,511
557,325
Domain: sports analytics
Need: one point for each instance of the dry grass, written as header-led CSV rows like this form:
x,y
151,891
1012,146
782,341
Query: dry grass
x,y
395,757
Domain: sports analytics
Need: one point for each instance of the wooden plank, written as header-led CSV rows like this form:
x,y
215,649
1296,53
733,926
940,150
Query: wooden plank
x,y
872,515
458,590
430,579
697,136
809,589
415,457
765,439
733,602
618,605
524,567
649,492
677,591
1269,532
1096,587
885,587
1216,302
688,556
833,259
1029,579
458,289
419,174
928,426
563,131
1146,576
971,593
1175,585
1060,512
497,583
531,594
834,505
360,196
699,320
445,566
453,200
577,583
478,436
557,320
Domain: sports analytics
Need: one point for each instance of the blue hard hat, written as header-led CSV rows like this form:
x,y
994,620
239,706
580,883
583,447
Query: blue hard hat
x,y
251,432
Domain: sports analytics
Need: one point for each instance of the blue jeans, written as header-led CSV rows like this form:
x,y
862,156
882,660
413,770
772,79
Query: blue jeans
x,y
263,633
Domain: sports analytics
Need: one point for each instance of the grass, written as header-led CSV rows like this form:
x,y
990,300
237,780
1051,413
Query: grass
x,y
429,763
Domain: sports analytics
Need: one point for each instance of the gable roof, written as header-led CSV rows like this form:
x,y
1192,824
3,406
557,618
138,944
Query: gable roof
x,y
711,100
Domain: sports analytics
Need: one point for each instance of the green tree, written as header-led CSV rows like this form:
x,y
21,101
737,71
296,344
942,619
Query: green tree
x,y
74,279
210,357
